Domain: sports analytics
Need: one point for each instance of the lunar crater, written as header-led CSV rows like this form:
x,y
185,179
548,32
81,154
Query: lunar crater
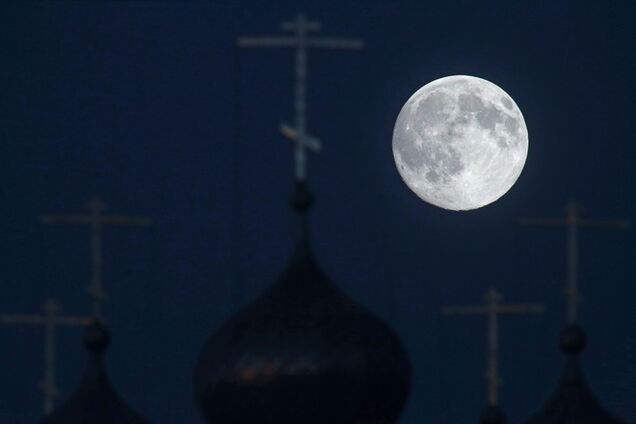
x,y
460,142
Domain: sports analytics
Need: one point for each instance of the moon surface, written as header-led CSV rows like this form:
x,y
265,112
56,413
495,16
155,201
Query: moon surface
x,y
460,142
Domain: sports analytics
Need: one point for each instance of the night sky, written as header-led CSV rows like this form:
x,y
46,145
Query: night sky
x,y
150,106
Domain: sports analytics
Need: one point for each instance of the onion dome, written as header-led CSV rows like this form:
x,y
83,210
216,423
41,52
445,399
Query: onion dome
x,y
303,352
492,415
573,402
94,400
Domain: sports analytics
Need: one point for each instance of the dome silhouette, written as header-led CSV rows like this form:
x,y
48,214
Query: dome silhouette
x,y
573,402
303,352
94,401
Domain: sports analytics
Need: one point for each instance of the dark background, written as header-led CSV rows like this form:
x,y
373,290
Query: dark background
x,y
147,105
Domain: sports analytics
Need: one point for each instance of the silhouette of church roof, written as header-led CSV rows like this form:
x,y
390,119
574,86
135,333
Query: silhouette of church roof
x,y
94,400
492,415
303,352
573,402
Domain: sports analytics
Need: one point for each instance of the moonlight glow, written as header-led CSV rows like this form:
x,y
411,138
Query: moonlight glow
x,y
460,142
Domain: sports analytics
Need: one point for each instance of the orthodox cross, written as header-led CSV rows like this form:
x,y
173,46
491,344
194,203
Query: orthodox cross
x,y
301,41
572,222
492,309
50,320
96,219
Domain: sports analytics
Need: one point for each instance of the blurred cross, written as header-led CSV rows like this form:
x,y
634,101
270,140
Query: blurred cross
x,y
50,320
492,309
96,219
301,41
572,222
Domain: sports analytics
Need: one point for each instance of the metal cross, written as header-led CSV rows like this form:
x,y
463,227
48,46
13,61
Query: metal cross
x,y
492,310
50,320
96,219
301,41
572,222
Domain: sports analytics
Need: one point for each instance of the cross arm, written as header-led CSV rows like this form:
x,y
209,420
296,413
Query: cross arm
x,y
465,310
110,220
306,25
268,41
336,43
307,141
276,41
126,220
521,309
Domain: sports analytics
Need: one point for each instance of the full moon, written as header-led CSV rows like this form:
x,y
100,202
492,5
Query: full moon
x,y
460,142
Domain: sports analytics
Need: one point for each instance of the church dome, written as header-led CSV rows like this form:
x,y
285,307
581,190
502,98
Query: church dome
x,y
573,402
94,400
303,352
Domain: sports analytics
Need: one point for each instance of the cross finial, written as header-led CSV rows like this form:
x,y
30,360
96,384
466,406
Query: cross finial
x,y
492,310
572,222
301,42
95,205
50,320
493,298
51,308
96,220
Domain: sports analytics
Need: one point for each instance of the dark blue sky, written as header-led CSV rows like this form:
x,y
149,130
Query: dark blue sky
x,y
138,102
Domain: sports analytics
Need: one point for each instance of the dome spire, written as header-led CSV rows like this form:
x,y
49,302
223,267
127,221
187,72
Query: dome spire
x,y
301,200
573,401
303,352
94,400
301,41
493,309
